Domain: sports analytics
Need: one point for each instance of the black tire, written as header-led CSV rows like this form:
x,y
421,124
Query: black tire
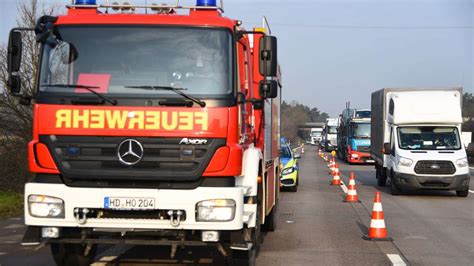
x,y
462,193
394,190
381,179
72,254
271,220
244,258
294,188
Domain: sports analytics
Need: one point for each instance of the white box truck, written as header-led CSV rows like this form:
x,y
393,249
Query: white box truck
x,y
416,140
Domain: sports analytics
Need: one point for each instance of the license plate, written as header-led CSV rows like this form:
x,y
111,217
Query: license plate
x,y
127,203
370,161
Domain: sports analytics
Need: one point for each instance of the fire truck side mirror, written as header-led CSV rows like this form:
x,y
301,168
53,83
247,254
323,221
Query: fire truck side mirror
x,y
15,48
268,56
269,89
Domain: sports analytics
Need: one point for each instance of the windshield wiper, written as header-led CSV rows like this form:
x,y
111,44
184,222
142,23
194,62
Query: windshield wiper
x,y
85,87
175,90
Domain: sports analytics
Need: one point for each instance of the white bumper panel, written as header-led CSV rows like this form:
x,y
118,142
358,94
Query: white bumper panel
x,y
165,200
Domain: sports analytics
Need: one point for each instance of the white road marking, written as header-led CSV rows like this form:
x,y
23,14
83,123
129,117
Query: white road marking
x,y
471,191
343,187
396,260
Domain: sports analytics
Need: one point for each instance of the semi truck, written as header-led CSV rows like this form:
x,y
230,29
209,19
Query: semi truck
x,y
150,128
416,140
330,134
354,136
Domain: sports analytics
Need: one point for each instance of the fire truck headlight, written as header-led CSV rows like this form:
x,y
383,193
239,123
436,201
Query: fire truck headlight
x,y
219,210
45,207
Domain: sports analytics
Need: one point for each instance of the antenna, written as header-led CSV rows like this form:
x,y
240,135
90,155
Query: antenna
x,y
266,25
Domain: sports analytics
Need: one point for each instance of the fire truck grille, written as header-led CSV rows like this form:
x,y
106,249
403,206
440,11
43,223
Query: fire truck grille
x,y
435,168
98,158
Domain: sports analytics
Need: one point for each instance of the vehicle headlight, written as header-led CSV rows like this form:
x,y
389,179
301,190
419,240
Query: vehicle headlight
x,y
218,210
405,162
288,171
45,207
462,162
354,155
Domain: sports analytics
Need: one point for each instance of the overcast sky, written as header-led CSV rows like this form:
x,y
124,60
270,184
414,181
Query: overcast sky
x,y
333,51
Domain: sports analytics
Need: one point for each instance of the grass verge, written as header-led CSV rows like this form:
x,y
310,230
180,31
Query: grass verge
x,y
11,204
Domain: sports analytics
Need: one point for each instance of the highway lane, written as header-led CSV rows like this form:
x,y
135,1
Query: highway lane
x,y
428,227
316,228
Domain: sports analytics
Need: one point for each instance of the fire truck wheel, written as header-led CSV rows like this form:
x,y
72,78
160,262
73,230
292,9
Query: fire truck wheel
x,y
243,258
270,221
72,254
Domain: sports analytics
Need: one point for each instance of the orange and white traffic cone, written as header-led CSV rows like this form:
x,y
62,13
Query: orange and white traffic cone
x,y
377,229
352,190
336,180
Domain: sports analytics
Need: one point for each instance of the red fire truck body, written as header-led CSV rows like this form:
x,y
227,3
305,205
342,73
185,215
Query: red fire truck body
x,y
158,128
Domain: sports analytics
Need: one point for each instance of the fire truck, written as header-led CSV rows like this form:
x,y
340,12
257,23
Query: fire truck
x,y
153,125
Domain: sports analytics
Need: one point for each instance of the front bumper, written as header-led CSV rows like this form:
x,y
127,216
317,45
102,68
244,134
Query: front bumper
x,y
289,180
362,157
93,198
409,181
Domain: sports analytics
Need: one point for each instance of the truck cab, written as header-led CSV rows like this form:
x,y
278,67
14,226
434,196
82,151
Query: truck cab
x,y
330,134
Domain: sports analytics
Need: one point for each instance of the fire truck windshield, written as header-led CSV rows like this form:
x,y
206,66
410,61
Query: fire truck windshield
x,y
114,58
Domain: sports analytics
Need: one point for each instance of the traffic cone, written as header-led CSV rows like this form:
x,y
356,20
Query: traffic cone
x,y
352,191
377,230
336,180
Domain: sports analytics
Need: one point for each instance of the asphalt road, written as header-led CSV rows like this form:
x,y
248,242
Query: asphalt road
x,y
316,228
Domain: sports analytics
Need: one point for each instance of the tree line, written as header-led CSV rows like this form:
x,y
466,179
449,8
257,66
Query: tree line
x,y
294,114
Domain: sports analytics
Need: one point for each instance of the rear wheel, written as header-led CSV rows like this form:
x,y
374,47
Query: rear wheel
x,y
72,254
462,193
381,178
270,221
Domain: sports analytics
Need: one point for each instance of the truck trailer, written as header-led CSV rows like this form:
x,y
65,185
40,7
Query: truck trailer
x,y
416,140
151,128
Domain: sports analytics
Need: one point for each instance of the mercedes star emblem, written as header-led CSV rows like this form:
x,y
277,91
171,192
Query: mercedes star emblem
x,y
130,152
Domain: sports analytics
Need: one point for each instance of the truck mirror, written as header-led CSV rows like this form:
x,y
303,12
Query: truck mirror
x,y
268,56
15,48
14,83
269,89
387,149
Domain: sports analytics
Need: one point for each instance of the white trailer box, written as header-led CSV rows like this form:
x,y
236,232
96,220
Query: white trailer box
x,y
416,139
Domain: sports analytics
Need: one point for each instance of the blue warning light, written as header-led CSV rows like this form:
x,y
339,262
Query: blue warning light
x,y
86,2
206,3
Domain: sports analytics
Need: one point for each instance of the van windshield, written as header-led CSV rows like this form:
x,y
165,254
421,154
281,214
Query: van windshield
x,y
428,138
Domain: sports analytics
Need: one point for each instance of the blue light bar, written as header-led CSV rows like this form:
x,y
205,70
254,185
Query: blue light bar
x,y
86,2
206,3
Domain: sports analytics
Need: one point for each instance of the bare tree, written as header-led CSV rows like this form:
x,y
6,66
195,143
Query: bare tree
x,y
16,119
